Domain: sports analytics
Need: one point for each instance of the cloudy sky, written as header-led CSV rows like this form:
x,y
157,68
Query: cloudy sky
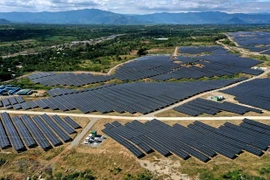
x,y
138,6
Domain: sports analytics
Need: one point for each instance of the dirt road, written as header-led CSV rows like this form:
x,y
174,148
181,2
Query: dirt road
x,y
175,53
142,118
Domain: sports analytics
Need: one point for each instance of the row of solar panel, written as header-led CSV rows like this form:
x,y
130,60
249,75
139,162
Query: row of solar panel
x,y
12,102
68,79
63,91
214,64
207,70
198,140
254,93
201,106
45,131
132,97
200,49
253,41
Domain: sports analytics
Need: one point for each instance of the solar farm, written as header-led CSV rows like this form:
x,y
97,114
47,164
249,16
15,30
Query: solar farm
x,y
217,63
157,90
197,140
131,97
15,102
44,131
253,41
202,106
67,79
254,93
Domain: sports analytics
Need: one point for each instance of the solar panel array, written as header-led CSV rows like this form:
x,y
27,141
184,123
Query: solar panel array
x,y
12,102
254,41
26,132
254,93
145,67
200,106
63,91
218,63
67,79
202,49
131,97
197,140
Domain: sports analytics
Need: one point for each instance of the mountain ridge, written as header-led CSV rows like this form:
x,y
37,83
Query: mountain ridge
x,y
96,16
4,21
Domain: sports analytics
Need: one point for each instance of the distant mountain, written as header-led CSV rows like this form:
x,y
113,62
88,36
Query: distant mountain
x,y
95,16
4,21
235,20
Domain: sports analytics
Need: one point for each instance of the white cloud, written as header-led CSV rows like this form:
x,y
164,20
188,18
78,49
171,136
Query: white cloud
x,y
138,6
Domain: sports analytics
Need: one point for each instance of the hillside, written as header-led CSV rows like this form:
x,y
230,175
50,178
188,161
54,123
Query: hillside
x,y
4,21
95,16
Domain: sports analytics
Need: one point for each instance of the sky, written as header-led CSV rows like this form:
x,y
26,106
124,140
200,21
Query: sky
x,y
137,6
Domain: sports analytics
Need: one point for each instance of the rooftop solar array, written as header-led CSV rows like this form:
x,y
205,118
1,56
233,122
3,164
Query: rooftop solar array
x,y
197,140
131,97
26,132
254,41
254,93
67,79
201,106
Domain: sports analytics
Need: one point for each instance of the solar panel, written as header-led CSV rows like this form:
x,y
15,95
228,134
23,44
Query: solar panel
x,y
20,99
70,79
47,131
56,128
63,124
133,97
37,134
200,106
72,123
24,133
198,140
12,133
4,141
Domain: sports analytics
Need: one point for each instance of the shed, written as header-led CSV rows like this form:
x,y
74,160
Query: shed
x,y
24,92
94,132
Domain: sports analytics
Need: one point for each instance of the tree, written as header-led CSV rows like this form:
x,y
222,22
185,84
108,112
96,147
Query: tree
x,y
142,52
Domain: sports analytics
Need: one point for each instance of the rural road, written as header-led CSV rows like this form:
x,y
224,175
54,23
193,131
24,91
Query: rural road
x,y
175,53
231,39
143,118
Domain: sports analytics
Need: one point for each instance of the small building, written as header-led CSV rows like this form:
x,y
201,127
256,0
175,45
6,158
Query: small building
x,y
8,89
24,92
216,98
94,133
162,39
93,139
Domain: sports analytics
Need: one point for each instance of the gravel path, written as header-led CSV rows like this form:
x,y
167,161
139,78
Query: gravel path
x,y
86,130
